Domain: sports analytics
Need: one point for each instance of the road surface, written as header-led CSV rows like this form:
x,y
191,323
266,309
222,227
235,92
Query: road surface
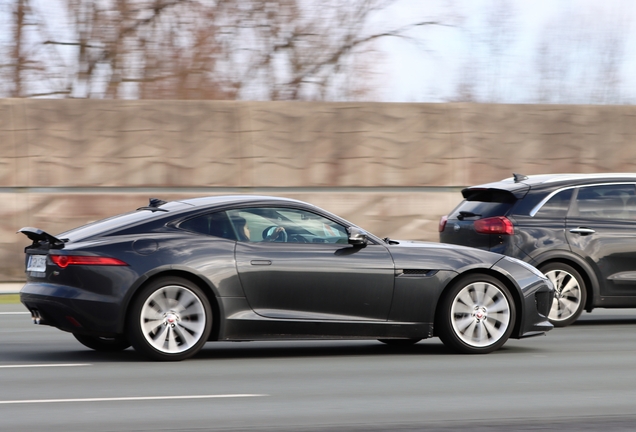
x,y
580,378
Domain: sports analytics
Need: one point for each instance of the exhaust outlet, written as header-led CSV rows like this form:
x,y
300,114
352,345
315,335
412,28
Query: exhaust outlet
x,y
35,316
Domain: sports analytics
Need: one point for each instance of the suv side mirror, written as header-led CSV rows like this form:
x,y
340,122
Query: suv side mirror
x,y
357,237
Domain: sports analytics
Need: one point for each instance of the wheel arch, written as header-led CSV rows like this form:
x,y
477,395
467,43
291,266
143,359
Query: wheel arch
x,y
512,288
198,280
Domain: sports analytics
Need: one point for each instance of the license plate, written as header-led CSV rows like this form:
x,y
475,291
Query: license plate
x,y
37,263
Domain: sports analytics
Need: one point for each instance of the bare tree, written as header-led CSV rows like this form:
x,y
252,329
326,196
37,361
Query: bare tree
x,y
482,76
204,49
580,58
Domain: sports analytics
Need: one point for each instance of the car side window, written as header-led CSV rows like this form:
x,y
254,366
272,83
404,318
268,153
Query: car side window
x,y
287,225
613,202
214,224
557,206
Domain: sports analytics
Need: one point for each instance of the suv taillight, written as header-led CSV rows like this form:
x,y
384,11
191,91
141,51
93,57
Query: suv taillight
x,y
494,225
442,223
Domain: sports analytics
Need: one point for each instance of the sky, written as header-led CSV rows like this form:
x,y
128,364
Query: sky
x,y
430,71
589,50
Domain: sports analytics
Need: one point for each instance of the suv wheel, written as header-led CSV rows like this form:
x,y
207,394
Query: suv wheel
x,y
570,293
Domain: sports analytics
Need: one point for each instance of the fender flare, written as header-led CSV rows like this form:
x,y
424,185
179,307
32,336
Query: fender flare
x,y
166,270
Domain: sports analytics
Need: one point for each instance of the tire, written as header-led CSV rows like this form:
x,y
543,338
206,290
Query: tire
x,y
170,319
400,342
476,315
103,344
570,293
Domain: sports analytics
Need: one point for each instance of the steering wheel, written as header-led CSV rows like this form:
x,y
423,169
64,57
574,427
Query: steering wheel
x,y
275,234
297,238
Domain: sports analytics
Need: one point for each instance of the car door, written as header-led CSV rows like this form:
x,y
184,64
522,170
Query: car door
x,y
601,226
543,230
311,272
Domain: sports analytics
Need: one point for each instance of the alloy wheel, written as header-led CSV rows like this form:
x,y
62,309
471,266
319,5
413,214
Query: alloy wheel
x,y
173,319
480,314
567,295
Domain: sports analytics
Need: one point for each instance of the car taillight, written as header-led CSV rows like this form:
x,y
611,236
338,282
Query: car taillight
x,y
494,225
64,261
442,223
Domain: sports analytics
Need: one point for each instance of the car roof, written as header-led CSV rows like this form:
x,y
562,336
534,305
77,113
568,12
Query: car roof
x,y
232,199
520,182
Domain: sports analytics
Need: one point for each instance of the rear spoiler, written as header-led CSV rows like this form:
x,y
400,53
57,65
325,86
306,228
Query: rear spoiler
x,y
41,238
499,194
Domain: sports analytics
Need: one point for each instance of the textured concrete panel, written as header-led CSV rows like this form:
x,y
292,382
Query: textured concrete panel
x,y
50,149
406,215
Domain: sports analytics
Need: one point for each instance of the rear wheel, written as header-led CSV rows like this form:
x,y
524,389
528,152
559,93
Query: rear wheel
x,y
170,319
570,293
104,344
476,315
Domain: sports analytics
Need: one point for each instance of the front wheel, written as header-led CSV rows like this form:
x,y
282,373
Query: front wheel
x,y
570,293
476,315
103,344
170,319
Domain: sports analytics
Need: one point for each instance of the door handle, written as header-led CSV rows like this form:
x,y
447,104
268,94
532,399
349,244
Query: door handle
x,y
582,231
261,262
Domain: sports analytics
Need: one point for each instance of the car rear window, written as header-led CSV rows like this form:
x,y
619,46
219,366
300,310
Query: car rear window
x,y
214,224
485,203
124,220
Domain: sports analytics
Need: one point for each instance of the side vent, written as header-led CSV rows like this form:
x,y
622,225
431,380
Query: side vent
x,y
415,272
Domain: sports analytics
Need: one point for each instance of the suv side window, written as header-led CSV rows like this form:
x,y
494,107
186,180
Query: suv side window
x,y
557,206
614,202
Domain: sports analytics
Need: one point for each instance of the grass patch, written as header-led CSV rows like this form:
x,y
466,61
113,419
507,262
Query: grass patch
x,y
9,298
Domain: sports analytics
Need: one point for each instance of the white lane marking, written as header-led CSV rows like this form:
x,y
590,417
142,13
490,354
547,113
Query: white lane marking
x,y
139,398
15,313
44,365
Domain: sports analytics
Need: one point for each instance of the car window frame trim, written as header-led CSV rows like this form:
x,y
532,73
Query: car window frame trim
x,y
538,207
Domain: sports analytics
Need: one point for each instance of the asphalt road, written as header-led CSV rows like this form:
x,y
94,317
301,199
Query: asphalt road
x,y
581,378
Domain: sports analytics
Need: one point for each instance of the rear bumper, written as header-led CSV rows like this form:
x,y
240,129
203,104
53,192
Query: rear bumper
x,y
72,309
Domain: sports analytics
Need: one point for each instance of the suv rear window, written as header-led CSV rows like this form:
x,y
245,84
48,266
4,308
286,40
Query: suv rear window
x,y
485,203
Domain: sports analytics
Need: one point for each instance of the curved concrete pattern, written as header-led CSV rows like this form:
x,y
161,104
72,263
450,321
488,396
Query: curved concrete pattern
x,y
392,168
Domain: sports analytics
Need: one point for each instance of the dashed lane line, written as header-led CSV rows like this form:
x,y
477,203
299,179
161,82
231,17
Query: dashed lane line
x,y
120,399
44,365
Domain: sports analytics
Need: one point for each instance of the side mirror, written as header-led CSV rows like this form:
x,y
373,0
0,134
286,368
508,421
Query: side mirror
x,y
357,237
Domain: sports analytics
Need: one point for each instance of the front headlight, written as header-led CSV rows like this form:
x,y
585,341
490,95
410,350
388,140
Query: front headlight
x,y
530,267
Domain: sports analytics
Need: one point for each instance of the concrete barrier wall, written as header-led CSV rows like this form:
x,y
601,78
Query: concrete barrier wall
x,y
391,168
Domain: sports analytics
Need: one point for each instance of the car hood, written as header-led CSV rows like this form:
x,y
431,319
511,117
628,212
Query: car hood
x,y
438,256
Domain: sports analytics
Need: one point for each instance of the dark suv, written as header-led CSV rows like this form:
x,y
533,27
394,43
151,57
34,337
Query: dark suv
x,y
578,229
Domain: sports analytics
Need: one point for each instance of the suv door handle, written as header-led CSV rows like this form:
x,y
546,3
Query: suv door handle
x,y
582,231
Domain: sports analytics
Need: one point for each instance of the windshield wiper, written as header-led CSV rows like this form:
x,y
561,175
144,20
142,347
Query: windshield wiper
x,y
465,214
389,241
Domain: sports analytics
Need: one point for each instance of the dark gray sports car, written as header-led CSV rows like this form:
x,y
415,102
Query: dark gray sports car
x,y
171,276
